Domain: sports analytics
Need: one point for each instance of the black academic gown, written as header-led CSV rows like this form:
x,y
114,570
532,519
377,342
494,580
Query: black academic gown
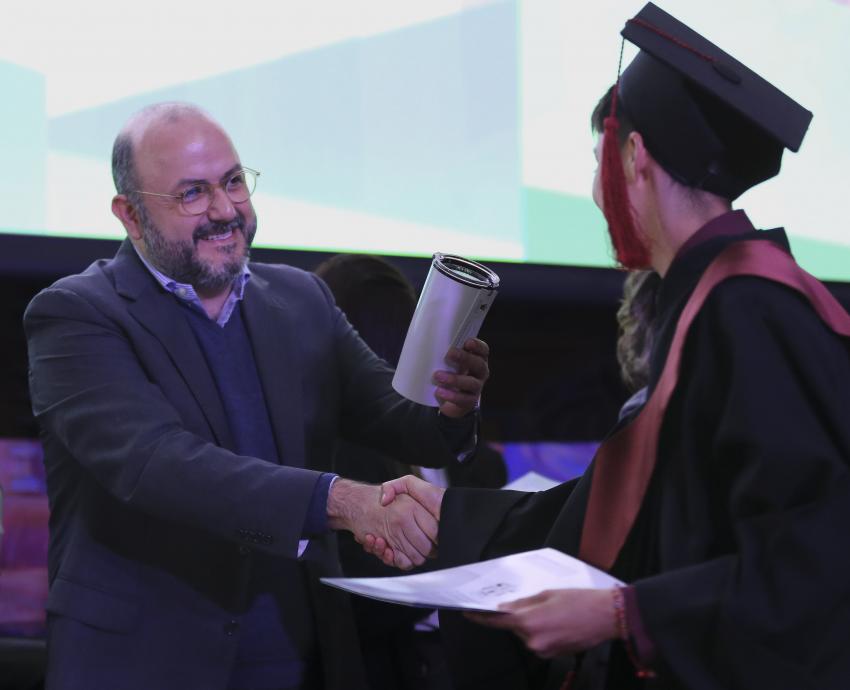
x,y
393,655
738,555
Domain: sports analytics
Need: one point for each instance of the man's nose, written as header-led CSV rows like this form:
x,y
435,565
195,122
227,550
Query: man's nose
x,y
221,206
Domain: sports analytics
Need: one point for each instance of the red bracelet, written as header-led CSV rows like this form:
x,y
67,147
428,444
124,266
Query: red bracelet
x,y
641,671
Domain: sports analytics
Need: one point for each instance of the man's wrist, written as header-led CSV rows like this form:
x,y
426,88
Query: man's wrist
x,y
346,499
338,505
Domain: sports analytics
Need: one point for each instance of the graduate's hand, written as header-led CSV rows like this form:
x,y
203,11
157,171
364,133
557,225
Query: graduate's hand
x,y
427,495
407,531
558,621
459,392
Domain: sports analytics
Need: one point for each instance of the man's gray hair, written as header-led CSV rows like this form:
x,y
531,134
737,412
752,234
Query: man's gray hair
x,y
123,170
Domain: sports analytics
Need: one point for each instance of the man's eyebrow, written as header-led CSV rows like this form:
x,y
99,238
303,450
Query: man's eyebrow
x,y
190,181
236,168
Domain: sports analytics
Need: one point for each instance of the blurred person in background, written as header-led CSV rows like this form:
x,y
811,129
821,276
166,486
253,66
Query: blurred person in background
x,y
401,646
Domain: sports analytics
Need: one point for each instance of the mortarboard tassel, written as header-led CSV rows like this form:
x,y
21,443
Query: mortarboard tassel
x,y
629,247
631,251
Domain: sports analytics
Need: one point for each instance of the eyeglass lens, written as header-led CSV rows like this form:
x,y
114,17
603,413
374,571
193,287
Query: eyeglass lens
x,y
238,188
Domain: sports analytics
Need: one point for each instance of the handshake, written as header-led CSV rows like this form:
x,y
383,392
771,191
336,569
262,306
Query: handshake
x,y
397,521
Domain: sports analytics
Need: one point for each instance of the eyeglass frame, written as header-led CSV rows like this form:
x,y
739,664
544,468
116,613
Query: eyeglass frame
x,y
212,186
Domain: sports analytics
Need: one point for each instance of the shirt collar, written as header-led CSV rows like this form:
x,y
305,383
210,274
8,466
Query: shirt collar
x,y
186,293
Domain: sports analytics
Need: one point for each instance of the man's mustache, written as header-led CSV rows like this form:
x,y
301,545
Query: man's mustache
x,y
208,230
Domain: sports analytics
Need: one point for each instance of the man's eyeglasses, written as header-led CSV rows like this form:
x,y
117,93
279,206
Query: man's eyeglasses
x,y
197,198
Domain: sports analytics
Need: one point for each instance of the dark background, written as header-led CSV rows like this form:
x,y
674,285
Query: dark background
x,y
552,333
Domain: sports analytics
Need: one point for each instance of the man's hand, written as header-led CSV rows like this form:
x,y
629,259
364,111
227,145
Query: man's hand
x,y
428,495
558,621
425,494
459,391
408,532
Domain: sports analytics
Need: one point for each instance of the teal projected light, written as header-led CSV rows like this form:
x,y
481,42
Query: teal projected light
x,y
458,126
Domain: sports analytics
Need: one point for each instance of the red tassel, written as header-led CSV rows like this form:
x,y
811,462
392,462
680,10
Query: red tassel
x,y
630,249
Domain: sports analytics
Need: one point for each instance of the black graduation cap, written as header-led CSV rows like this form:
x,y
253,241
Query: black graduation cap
x,y
710,122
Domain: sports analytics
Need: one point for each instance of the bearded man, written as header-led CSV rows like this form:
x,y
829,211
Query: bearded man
x,y
190,402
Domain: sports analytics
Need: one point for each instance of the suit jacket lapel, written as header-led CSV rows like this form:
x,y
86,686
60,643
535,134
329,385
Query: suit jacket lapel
x,y
163,317
271,327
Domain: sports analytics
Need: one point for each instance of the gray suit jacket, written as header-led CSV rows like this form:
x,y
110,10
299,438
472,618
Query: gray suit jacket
x,y
153,522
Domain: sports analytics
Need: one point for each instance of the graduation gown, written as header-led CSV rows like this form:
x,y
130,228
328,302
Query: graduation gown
x,y
737,555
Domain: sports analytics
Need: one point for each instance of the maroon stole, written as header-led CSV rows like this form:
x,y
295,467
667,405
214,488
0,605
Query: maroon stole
x,y
624,463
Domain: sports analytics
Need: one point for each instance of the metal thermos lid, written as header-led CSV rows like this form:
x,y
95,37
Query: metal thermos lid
x,y
466,271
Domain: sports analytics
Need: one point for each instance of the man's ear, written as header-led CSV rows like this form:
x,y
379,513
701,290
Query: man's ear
x,y
126,212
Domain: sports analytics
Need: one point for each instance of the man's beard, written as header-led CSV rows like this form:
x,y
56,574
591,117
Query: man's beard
x,y
179,260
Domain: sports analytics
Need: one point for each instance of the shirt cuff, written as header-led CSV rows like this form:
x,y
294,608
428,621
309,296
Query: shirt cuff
x,y
316,522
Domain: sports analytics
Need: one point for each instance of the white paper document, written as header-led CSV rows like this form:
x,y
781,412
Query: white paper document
x,y
481,586
531,481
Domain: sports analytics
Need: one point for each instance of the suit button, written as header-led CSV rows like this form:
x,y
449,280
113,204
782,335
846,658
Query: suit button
x,y
231,627
244,550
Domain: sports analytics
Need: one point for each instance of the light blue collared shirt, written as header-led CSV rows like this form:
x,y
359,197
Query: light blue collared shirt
x,y
186,293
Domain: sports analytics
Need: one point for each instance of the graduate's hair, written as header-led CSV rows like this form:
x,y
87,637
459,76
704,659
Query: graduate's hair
x,y
603,110
636,319
375,296
597,122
